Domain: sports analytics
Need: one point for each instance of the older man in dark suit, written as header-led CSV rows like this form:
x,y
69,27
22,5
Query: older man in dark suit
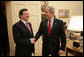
x,y
23,35
53,33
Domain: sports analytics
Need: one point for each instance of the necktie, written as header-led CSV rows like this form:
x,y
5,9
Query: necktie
x,y
28,26
49,27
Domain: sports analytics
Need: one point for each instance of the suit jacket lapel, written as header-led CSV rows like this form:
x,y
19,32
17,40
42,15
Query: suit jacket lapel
x,y
24,27
54,25
46,27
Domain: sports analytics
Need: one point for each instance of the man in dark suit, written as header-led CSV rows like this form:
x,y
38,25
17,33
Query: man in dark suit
x,y
53,33
23,35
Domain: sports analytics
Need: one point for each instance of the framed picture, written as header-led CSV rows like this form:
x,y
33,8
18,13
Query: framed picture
x,y
63,13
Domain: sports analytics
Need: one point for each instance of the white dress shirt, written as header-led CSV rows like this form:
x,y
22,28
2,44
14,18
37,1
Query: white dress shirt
x,y
24,22
51,22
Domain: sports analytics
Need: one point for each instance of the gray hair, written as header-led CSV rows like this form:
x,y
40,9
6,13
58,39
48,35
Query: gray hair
x,y
51,9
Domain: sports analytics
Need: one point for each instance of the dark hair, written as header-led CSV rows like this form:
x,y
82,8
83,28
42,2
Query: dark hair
x,y
21,12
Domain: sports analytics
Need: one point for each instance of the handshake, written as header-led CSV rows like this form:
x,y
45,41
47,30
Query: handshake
x,y
32,40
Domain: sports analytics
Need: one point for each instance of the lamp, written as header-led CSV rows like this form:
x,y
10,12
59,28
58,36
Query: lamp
x,y
76,25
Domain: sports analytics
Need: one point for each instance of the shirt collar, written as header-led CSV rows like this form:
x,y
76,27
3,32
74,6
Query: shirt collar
x,y
52,19
24,21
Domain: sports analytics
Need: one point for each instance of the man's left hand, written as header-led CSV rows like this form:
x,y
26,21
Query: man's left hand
x,y
60,52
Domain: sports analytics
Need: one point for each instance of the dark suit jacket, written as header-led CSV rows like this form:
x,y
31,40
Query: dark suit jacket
x,y
21,37
52,43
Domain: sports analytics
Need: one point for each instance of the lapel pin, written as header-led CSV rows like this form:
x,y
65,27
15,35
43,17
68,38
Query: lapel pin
x,y
55,23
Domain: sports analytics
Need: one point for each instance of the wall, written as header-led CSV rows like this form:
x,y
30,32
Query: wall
x,y
75,8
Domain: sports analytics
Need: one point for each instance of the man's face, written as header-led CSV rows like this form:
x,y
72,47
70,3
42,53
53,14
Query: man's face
x,y
25,15
47,13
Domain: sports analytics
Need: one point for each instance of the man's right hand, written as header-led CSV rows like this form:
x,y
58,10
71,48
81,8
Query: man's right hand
x,y
32,40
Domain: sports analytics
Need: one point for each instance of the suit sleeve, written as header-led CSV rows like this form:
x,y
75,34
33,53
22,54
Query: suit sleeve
x,y
19,40
62,36
39,33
